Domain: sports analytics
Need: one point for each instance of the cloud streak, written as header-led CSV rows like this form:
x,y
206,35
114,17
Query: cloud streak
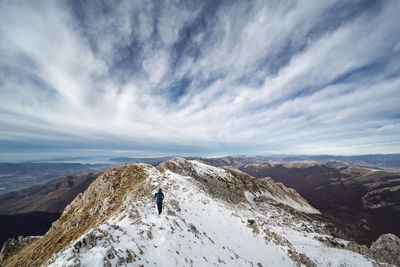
x,y
201,77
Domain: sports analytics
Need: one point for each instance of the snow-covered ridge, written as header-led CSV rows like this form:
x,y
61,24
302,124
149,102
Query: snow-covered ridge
x,y
249,187
202,223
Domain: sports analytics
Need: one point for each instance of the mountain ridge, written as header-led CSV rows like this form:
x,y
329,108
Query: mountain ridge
x,y
114,223
384,162
364,202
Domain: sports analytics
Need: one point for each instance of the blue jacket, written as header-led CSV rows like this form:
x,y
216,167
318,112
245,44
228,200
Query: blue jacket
x,y
159,196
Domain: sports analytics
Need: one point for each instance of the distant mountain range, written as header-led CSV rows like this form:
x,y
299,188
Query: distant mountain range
x,y
52,196
32,210
386,162
128,160
17,176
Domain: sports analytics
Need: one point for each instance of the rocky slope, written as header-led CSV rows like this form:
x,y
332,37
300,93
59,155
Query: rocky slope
x,y
212,216
363,202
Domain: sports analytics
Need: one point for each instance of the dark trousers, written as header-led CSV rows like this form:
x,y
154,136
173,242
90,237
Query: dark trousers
x,y
159,206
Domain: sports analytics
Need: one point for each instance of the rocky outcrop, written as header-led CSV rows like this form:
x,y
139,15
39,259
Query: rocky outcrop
x,y
218,182
231,184
386,249
12,245
361,202
223,183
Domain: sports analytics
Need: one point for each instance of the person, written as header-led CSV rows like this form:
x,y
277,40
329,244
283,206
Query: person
x,y
160,197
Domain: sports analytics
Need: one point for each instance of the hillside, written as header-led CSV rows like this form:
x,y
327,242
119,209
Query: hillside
x,y
364,203
17,176
51,197
212,216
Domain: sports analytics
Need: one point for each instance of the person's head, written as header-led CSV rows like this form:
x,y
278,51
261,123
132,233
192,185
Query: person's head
x,y
159,190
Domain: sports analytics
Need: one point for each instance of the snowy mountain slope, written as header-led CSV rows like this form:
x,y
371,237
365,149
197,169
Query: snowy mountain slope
x,y
115,223
234,186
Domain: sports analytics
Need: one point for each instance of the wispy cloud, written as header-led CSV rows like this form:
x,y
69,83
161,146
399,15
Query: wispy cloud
x,y
201,77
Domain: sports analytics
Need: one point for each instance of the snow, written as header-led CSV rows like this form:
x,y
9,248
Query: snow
x,y
202,169
196,229
302,207
322,255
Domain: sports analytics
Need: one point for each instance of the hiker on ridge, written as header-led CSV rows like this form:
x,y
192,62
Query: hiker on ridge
x,y
160,197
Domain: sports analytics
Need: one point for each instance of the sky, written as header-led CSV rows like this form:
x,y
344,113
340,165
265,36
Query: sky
x,y
209,78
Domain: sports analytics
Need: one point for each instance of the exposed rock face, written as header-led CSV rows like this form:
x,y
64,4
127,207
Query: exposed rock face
x,y
253,224
106,196
386,249
363,203
218,182
231,184
13,244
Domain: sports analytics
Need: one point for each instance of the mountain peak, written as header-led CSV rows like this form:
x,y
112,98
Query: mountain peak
x,y
103,198
211,216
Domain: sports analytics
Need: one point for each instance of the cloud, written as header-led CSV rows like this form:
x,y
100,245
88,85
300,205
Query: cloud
x,y
210,77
